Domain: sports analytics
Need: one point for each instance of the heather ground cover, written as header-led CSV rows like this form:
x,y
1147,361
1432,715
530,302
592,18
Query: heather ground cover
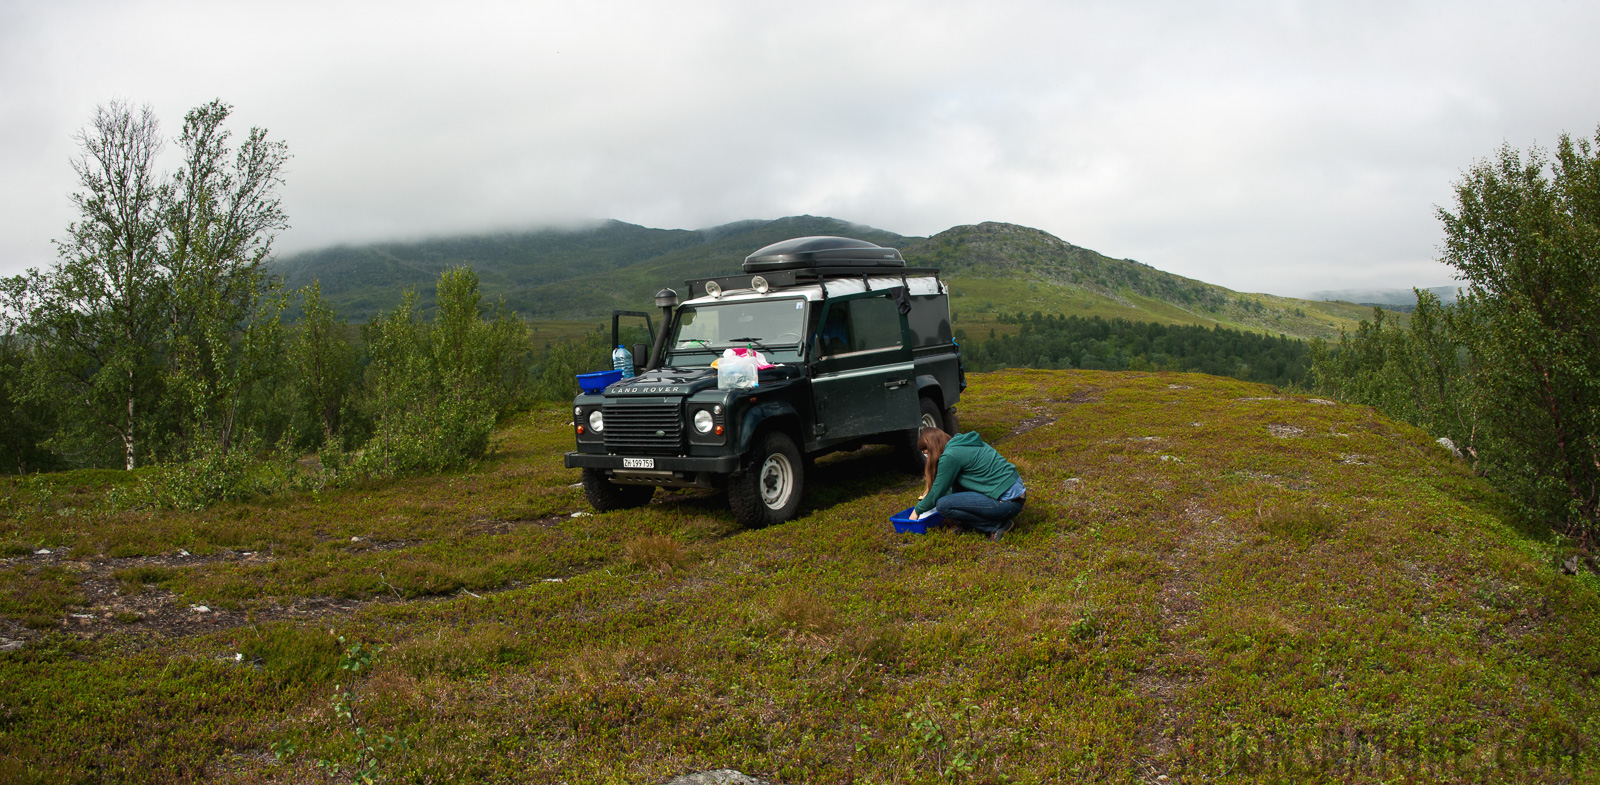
x,y
1212,581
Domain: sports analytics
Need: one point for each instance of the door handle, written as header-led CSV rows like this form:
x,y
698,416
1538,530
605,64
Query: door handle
x,y
895,384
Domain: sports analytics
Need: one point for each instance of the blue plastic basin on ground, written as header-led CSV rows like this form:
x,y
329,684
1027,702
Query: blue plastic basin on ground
x,y
903,523
597,381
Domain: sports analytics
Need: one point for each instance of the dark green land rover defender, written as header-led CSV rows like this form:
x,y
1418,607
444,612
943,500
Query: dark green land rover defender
x,y
862,353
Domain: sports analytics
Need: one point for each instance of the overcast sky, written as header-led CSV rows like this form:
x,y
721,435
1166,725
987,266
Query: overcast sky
x,y
1281,147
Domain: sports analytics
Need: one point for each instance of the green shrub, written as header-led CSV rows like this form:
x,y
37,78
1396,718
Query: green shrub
x,y
215,476
435,392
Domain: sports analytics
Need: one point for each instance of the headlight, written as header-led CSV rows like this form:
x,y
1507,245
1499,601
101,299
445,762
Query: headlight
x,y
703,421
597,423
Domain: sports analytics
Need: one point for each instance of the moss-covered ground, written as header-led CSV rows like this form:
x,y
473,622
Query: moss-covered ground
x,y
1213,581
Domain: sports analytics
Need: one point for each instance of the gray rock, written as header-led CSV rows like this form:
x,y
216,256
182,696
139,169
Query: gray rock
x,y
1444,441
718,777
1570,566
10,645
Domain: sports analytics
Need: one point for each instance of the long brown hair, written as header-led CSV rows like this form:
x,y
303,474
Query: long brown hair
x,y
932,442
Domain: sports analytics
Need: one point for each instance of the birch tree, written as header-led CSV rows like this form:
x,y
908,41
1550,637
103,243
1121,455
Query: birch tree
x,y
156,316
221,316
91,322
1525,235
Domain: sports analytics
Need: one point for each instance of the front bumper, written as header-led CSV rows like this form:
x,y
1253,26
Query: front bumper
x,y
717,464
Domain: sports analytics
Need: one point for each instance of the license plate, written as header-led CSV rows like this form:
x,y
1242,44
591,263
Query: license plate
x,y
638,463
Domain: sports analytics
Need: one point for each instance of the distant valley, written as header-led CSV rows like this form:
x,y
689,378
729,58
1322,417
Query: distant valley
x,y
993,268
1397,299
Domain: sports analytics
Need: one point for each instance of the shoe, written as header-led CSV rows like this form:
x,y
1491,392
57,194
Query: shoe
x,y
995,535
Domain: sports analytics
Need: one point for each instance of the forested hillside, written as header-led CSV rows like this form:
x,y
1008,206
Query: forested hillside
x,y
584,273
571,273
360,281
1003,268
720,251
1119,345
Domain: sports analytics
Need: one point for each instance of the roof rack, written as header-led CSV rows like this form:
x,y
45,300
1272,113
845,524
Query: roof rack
x,y
784,278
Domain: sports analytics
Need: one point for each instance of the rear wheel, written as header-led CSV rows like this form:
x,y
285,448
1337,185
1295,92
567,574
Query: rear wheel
x,y
605,495
769,491
908,452
952,425
931,416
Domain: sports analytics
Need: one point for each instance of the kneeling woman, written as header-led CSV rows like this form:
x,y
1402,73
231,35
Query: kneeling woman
x,y
990,489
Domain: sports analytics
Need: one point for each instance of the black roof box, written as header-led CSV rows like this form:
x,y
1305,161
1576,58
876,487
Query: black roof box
x,y
804,253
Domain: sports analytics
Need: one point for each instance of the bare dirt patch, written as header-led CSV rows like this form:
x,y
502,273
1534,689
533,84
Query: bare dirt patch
x,y
1177,670
1090,395
115,605
495,526
1049,410
158,613
1032,423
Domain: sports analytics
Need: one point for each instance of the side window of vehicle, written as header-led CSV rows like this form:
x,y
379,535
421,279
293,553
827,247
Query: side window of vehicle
x,y
860,326
834,337
874,324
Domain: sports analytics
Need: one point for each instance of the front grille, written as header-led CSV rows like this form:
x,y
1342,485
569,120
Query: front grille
x,y
634,428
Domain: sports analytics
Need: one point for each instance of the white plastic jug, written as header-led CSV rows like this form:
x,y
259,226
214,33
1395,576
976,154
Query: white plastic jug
x,y
735,372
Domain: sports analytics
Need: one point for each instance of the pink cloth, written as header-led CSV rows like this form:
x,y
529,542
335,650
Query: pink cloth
x,y
761,362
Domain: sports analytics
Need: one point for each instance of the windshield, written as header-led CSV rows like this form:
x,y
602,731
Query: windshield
x,y
774,327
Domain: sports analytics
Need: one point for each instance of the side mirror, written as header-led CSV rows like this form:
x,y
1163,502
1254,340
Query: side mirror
x,y
640,354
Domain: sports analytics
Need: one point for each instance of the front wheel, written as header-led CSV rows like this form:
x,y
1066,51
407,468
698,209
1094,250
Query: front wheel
x,y
769,491
606,496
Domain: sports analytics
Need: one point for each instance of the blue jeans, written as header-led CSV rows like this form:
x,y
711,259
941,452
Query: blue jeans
x,y
978,511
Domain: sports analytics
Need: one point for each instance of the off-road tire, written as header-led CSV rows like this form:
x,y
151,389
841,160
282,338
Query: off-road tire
x,y
769,491
931,417
952,424
605,495
907,452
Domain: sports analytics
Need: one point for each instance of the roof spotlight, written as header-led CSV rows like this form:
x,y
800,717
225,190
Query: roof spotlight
x,y
714,289
760,285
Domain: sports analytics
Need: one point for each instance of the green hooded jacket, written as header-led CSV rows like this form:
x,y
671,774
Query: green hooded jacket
x,y
970,465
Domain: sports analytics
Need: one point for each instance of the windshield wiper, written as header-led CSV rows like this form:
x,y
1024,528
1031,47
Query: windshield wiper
x,y
753,341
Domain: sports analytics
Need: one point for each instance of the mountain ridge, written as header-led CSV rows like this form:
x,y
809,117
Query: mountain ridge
x,y
993,268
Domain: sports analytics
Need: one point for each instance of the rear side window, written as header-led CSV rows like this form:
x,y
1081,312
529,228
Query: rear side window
x,y
930,320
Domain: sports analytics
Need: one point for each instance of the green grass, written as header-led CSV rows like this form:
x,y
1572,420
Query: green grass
x,y
1212,580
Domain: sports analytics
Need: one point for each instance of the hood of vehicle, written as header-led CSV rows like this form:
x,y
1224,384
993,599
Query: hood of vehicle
x,y
666,381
